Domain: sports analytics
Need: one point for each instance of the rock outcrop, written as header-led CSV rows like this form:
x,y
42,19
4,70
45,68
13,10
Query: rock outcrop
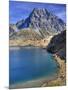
x,y
57,45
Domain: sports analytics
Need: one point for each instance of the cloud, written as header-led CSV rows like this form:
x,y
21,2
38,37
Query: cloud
x,y
62,15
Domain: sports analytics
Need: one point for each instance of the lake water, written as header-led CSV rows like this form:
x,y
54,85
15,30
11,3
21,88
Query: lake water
x,y
30,64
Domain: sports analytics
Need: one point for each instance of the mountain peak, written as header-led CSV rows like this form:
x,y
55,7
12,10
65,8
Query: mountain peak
x,y
40,9
39,12
42,19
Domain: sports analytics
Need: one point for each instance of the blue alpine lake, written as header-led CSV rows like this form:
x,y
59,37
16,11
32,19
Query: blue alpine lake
x,y
30,63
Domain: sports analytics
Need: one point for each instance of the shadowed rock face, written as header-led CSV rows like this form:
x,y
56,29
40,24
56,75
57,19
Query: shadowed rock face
x,y
57,45
42,19
11,30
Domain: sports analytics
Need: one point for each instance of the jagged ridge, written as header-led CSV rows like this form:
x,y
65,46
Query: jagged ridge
x,y
42,19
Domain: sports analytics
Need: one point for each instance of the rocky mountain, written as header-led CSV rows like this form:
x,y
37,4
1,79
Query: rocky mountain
x,y
43,22
39,25
19,23
11,30
26,34
57,45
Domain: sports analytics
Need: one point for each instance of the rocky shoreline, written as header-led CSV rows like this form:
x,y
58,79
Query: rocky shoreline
x,y
59,80
61,77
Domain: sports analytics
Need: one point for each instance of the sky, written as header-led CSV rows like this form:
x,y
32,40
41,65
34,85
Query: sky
x,y
19,10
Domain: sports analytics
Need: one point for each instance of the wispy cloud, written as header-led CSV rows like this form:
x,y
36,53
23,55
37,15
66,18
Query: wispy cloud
x,y
62,15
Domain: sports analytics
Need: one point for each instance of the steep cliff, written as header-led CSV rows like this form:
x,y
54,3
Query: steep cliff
x,y
57,45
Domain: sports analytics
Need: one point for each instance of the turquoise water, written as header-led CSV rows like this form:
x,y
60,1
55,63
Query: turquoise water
x,y
29,64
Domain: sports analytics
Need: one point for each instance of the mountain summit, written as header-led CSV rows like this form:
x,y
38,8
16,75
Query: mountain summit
x,y
42,21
